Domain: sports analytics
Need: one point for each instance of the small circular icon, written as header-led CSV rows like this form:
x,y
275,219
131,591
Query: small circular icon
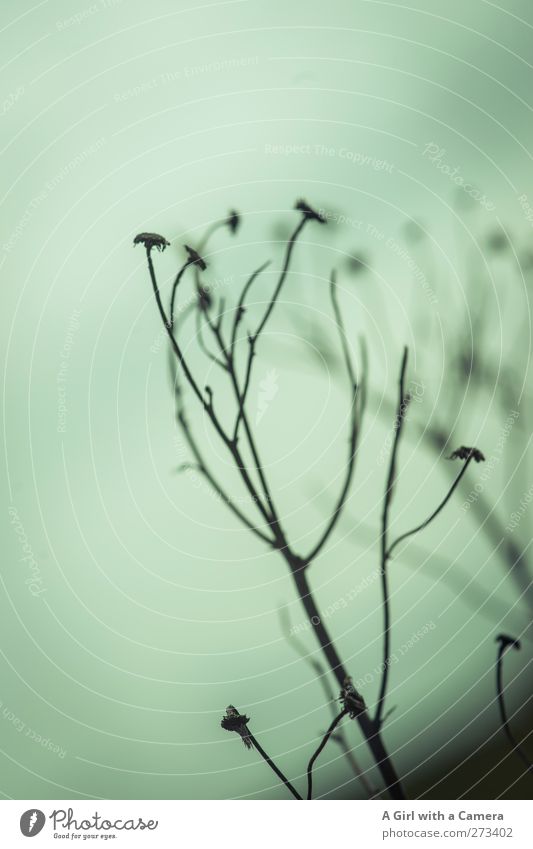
x,y
32,822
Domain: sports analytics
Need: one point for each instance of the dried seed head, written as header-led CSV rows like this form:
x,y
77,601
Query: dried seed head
x,y
195,258
506,641
308,212
151,240
205,301
351,700
464,453
235,721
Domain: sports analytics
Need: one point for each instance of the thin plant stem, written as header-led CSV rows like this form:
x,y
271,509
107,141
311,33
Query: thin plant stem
x,y
357,393
239,311
322,745
207,405
403,400
296,564
435,513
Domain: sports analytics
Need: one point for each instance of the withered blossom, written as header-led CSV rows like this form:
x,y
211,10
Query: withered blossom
x,y
233,221
497,242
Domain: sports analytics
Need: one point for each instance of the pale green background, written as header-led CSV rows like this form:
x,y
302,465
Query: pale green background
x,y
158,608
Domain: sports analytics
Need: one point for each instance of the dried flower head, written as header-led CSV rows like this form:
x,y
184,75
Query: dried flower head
x,y
464,453
235,721
151,240
508,642
233,221
195,258
205,301
309,212
526,260
356,263
351,700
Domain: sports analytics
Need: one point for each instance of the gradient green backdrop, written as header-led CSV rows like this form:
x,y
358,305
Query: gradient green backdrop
x,y
150,608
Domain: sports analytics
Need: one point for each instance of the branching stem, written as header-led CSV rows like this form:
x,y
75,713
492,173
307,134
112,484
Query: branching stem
x,y
322,745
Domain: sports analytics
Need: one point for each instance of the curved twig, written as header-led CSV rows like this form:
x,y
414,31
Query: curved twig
x,y
320,671
358,406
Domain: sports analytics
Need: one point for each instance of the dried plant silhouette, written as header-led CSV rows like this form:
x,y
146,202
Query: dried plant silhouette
x,y
476,376
237,722
495,380
338,736
224,350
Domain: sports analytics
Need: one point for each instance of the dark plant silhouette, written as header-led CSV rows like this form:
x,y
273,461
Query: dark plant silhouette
x,y
505,642
241,446
338,736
